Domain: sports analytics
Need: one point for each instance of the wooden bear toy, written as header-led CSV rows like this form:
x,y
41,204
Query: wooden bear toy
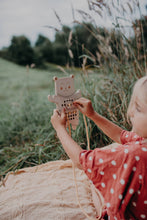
x,y
64,97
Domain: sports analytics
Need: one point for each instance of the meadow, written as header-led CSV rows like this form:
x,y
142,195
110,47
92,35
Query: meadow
x,y
26,134
27,137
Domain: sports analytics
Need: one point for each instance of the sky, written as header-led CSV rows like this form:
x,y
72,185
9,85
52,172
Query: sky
x,y
30,17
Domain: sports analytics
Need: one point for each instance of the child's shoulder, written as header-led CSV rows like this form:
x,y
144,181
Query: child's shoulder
x,y
133,144
129,136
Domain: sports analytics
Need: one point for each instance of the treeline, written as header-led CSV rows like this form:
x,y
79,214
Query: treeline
x,y
79,45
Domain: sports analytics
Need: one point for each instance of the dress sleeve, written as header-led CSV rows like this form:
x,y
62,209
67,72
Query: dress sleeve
x,y
115,172
125,136
99,164
129,136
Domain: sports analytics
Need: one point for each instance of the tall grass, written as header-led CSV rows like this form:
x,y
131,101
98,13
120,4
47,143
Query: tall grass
x,y
123,41
28,138
26,134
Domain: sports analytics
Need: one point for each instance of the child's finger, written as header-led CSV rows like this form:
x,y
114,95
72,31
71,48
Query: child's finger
x,y
77,104
56,112
63,113
81,102
79,107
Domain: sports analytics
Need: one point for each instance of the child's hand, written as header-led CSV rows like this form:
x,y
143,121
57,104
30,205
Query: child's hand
x,y
85,106
58,120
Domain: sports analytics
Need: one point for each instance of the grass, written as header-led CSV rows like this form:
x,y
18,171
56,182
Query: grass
x,y
27,137
16,80
26,134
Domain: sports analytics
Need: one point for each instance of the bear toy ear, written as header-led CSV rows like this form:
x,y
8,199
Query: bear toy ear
x,y
72,76
55,78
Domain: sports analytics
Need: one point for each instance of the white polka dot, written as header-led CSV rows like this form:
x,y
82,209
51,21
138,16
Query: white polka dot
x,y
145,202
144,149
89,170
138,192
125,165
137,158
134,168
120,196
103,185
111,190
114,176
115,218
137,142
127,136
82,154
140,177
113,150
102,173
126,151
108,204
131,191
101,160
134,204
90,158
135,136
143,216
113,162
122,181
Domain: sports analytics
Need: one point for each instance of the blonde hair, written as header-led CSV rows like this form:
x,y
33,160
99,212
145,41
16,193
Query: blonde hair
x,y
139,87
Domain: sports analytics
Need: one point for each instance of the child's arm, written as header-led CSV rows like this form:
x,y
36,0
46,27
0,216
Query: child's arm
x,y
70,146
109,128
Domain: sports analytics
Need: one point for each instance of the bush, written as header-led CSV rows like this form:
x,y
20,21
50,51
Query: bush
x,y
43,51
20,51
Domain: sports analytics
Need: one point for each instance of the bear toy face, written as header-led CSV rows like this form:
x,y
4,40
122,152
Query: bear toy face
x,y
64,86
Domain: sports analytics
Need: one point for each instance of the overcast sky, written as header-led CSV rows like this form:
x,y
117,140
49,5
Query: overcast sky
x,y
29,17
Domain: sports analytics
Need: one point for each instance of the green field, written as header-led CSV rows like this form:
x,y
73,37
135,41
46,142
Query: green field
x,y
15,81
26,135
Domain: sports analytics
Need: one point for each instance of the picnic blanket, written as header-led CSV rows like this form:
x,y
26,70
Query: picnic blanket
x,y
45,192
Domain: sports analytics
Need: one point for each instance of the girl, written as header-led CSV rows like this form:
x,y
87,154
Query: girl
x,y
118,173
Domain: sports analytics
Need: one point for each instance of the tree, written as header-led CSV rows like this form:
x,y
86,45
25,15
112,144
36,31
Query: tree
x,y
116,43
140,30
43,50
60,46
20,50
40,40
84,42
60,54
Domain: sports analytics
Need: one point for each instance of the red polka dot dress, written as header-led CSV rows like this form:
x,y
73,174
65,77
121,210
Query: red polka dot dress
x,y
119,174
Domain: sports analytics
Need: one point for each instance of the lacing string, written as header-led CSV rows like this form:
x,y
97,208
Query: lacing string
x,y
74,174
